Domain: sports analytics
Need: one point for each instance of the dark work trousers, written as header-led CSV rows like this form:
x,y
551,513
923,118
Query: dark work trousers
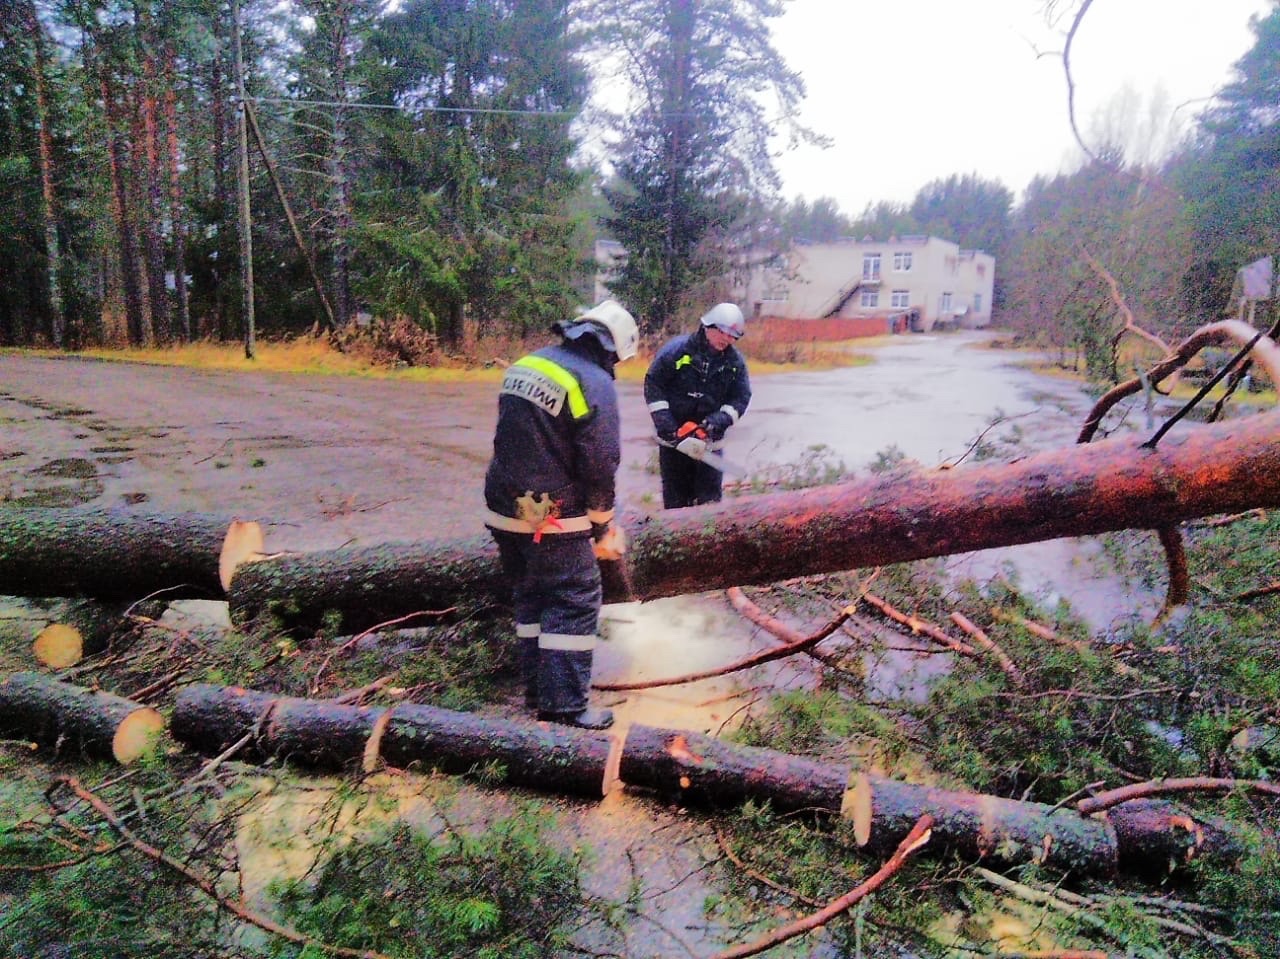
x,y
685,481
557,594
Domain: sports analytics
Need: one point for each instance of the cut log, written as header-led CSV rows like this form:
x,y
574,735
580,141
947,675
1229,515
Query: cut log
x,y
110,554
692,768
701,770
395,580
71,629
981,827
64,717
325,734
1081,490
58,630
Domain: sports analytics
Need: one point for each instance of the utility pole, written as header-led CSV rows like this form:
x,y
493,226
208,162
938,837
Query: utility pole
x,y
242,182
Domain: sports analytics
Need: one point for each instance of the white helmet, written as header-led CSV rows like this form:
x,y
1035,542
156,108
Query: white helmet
x,y
727,318
612,325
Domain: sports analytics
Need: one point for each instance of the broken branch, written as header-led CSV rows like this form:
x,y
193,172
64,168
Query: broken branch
x,y
747,662
982,639
917,837
237,907
1162,787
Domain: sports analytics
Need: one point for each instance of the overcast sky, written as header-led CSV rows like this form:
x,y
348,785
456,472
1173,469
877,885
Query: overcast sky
x,y
912,91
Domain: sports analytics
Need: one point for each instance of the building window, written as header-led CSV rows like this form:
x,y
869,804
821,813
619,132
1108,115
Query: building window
x,y
944,305
977,302
901,299
870,298
902,262
871,266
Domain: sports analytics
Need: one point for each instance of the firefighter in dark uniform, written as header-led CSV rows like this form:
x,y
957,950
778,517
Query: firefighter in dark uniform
x,y
549,493
697,387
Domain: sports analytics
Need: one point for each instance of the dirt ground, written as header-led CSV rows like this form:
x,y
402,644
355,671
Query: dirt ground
x,y
327,461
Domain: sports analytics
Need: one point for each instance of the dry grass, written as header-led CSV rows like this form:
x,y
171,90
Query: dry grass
x,y
482,361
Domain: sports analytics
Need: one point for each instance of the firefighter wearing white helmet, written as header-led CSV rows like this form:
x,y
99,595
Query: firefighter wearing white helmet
x,y
697,387
549,497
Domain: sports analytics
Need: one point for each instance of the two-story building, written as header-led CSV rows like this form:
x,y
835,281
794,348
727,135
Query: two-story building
x,y
910,282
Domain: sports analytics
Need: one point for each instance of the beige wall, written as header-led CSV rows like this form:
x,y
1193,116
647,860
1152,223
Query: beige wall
x,y
816,275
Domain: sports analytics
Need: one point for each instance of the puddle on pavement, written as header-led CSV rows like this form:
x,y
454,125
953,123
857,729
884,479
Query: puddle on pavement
x,y
673,637
73,468
58,483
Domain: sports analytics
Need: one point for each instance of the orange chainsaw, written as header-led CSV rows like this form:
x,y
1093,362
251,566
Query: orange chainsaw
x,y
701,451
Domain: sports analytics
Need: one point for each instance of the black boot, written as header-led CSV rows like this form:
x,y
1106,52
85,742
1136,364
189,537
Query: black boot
x,y
587,719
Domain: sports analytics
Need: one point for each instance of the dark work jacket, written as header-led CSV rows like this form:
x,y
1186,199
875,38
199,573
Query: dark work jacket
x,y
689,381
557,434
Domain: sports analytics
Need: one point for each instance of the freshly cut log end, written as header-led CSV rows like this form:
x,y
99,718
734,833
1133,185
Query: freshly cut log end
x,y
137,735
58,646
856,807
244,543
373,746
68,630
71,718
613,765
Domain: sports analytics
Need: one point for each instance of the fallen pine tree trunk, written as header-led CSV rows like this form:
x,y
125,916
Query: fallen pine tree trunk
x,y
697,770
1080,490
110,554
65,718
320,733
1141,837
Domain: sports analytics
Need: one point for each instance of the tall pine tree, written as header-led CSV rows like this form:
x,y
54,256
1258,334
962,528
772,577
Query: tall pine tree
x,y
693,166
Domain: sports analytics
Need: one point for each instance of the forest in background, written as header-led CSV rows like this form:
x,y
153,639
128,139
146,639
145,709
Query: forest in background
x,y
451,164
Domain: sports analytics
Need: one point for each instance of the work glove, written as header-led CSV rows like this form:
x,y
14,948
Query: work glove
x,y
611,545
717,424
664,424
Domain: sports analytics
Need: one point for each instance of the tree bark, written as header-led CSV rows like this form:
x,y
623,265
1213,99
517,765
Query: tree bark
x,y
332,735
57,319
219,94
695,769
177,210
152,205
116,153
1143,837
1080,490
702,771
110,554
96,724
